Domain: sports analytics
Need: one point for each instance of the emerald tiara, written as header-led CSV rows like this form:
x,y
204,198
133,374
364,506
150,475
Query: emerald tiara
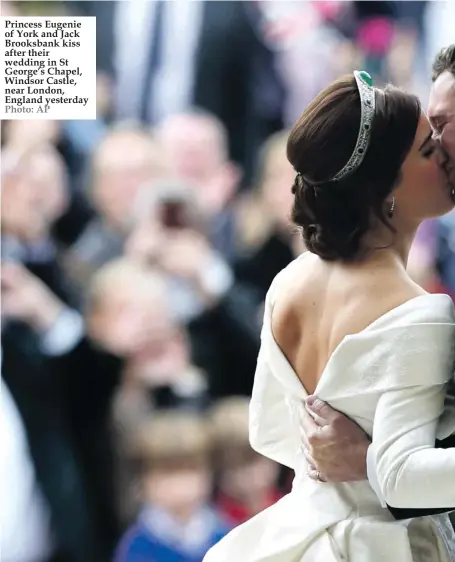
x,y
367,103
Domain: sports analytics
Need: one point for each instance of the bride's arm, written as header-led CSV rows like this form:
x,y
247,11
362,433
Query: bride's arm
x,y
410,471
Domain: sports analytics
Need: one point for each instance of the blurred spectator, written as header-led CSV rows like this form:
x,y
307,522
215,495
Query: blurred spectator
x,y
48,362
127,159
247,481
216,64
138,325
220,313
303,38
84,135
222,305
34,191
34,196
128,313
405,64
438,26
60,392
196,143
21,135
265,240
173,453
374,34
170,232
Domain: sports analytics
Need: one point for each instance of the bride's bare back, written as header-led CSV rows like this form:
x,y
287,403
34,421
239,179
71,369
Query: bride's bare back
x,y
320,303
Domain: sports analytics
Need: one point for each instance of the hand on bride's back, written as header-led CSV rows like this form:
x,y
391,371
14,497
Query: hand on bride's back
x,y
334,446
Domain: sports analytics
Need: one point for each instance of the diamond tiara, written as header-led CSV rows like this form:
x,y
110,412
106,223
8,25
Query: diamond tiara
x,y
367,103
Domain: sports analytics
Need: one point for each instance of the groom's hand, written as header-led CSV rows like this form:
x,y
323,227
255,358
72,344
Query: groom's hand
x,y
334,446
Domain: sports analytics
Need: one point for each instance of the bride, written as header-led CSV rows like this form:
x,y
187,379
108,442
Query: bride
x,y
346,322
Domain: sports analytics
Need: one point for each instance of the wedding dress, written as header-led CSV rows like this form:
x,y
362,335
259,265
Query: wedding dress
x,y
391,379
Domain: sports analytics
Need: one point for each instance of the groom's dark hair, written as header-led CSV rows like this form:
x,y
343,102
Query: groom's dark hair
x,y
445,60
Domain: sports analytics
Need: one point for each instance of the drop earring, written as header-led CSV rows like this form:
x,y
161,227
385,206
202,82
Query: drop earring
x,y
392,208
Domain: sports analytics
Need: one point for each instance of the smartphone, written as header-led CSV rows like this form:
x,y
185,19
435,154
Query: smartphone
x,y
174,214
174,206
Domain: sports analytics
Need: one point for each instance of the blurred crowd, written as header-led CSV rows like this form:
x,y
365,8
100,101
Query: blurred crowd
x,y
137,250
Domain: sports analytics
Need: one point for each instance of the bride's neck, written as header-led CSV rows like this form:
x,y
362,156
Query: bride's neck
x,y
395,245
402,246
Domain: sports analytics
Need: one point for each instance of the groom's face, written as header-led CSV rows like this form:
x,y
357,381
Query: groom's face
x,y
441,112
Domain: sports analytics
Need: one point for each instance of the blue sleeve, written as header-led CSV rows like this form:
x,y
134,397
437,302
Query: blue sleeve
x,y
134,547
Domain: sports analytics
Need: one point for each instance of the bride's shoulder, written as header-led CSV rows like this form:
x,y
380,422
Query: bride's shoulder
x,y
380,301
412,340
423,309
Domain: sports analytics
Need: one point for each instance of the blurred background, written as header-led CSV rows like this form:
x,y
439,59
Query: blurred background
x,y
137,250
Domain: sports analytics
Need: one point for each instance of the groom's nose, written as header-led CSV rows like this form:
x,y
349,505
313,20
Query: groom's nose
x,y
436,135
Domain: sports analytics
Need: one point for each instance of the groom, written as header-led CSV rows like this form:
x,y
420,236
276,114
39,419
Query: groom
x,y
335,447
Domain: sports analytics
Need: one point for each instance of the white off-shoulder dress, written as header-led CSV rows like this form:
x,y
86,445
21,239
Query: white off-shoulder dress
x,y
391,379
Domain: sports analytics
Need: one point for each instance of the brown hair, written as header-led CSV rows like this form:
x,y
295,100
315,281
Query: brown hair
x,y
335,215
274,143
255,224
123,273
123,133
230,432
444,61
172,440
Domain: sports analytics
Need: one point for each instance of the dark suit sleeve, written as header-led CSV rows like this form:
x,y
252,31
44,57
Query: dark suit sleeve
x,y
89,378
91,375
226,341
236,78
266,93
66,423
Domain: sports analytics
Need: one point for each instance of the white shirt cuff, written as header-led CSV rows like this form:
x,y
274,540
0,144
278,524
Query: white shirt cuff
x,y
64,335
217,278
373,477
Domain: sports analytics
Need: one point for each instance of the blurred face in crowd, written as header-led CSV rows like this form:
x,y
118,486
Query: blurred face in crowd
x,y
23,135
46,170
165,356
34,193
441,112
278,177
253,477
196,147
124,163
168,211
180,490
137,324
